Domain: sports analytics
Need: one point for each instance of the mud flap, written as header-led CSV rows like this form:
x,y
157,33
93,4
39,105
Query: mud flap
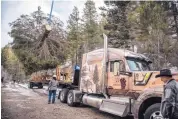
x,y
117,107
77,96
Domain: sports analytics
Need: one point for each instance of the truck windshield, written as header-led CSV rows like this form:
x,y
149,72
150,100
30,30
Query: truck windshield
x,y
138,65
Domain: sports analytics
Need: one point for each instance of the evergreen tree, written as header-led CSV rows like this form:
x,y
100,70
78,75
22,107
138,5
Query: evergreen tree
x,y
90,29
150,23
74,34
33,51
11,63
117,25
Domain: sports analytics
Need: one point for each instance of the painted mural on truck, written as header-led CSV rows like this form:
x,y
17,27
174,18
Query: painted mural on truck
x,y
91,74
92,70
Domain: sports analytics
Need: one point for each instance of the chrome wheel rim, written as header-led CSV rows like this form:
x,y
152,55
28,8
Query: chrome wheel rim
x,y
62,96
69,99
156,115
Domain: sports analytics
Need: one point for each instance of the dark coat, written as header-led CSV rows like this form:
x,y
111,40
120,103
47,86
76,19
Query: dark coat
x,y
169,104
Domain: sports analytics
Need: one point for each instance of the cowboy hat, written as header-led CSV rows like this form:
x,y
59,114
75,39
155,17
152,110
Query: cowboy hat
x,y
164,72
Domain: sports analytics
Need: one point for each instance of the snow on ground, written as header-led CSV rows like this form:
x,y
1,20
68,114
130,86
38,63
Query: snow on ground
x,y
45,90
10,85
25,85
27,92
16,88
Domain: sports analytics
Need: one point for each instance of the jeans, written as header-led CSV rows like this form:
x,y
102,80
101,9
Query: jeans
x,y
52,92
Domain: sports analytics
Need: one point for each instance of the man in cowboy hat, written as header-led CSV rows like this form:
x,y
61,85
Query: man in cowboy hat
x,y
169,104
52,89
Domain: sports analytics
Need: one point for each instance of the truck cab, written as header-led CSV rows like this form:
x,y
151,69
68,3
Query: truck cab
x,y
124,74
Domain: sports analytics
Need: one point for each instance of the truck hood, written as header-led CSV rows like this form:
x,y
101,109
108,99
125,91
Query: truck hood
x,y
154,73
146,79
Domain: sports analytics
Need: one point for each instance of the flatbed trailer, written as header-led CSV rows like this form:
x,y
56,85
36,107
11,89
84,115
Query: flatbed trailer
x,y
40,78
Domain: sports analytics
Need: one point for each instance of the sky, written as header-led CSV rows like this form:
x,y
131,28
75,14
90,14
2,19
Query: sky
x,y
11,10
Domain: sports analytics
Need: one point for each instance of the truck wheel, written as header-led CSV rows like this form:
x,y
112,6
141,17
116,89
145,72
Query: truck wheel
x,y
59,95
40,86
63,95
70,99
153,112
31,85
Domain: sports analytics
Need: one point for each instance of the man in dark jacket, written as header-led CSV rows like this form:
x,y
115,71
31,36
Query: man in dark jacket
x,y
52,89
169,104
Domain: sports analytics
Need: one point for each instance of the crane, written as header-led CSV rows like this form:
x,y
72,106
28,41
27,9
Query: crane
x,y
48,26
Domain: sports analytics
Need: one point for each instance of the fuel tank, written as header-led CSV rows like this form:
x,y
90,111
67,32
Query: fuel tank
x,y
92,100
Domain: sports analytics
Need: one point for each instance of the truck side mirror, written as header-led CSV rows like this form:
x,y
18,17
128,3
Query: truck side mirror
x,y
116,68
118,72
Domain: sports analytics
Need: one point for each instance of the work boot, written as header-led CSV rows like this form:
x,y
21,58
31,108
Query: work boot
x,y
53,100
49,102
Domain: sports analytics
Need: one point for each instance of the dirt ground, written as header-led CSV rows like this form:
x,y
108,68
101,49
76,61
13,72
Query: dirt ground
x,y
20,103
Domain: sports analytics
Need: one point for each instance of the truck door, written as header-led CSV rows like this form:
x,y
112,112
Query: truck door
x,y
117,81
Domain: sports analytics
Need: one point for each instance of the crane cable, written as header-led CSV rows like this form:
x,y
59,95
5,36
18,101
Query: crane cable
x,y
49,20
47,26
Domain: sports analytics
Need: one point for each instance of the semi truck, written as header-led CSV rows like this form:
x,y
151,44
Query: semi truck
x,y
116,81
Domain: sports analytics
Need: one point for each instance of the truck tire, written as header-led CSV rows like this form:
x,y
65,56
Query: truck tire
x,y
59,95
70,99
153,112
40,86
63,95
30,85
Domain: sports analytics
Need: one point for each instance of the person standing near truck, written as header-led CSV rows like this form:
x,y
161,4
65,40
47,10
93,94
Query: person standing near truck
x,y
169,104
52,89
